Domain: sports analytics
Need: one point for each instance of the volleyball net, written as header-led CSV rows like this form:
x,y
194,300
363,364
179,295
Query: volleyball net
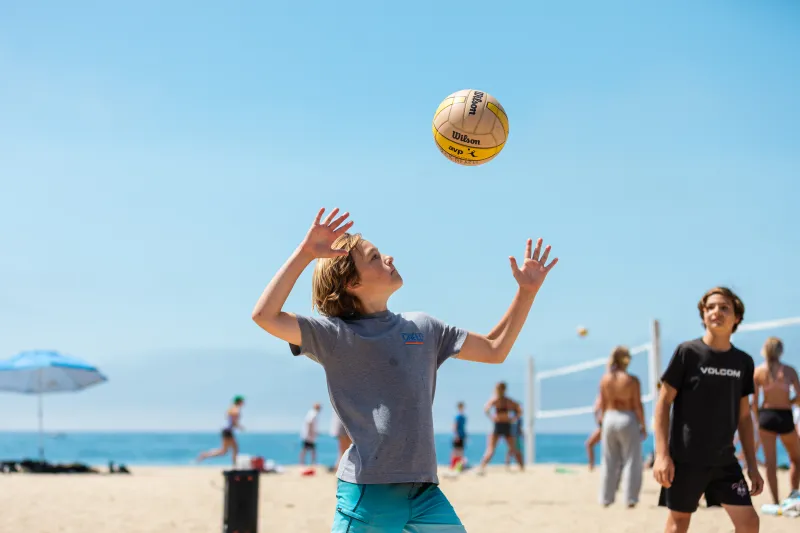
x,y
749,337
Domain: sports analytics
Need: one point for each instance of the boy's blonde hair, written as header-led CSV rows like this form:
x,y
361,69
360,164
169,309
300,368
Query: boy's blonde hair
x,y
619,359
332,276
773,349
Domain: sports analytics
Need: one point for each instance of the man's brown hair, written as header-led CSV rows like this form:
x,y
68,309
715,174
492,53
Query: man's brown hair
x,y
331,278
738,306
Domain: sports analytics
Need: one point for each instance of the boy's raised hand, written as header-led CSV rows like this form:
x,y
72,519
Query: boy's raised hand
x,y
531,276
319,239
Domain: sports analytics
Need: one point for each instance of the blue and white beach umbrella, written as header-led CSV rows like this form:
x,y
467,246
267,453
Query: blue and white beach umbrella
x,y
41,372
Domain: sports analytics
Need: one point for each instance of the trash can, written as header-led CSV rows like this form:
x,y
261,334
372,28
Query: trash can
x,y
240,514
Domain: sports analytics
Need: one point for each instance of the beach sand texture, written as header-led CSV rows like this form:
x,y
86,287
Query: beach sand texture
x,y
190,500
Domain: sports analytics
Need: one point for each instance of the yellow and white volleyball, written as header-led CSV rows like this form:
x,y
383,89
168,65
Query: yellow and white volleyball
x,y
582,331
470,127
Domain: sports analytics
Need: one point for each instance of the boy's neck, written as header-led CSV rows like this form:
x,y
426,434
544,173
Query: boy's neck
x,y
720,343
369,307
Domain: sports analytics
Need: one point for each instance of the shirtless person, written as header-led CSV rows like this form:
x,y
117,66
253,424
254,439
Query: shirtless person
x,y
503,422
775,420
623,429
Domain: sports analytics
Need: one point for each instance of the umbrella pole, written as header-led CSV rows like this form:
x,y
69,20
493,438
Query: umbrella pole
x,y
41,421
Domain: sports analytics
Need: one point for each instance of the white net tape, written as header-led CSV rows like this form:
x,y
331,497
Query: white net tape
x,y
579,367
769,324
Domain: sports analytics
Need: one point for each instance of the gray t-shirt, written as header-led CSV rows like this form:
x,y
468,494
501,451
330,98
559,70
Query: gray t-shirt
x,y
381,374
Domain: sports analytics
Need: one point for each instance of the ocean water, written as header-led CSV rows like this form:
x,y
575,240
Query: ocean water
x,y
283,448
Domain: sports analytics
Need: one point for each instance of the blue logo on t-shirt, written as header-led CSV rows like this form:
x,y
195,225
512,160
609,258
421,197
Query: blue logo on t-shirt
x,y
412,338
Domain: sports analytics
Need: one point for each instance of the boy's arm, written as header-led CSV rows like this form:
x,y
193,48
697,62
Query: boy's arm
x,y
746,434
318,243
268,312
671,381
495,347
665,399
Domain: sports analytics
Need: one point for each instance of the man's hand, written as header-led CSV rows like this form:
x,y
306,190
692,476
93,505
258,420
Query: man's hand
x,y
664,470
756,481
320,237
534,270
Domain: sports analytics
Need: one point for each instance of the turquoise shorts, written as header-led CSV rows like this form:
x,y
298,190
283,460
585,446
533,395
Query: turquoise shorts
x,y
394,508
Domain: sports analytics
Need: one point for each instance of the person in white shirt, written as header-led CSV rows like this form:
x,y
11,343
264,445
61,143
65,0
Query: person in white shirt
x,y
309,435
342,438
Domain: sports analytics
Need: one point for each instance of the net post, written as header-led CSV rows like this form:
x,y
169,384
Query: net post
x,y
654,364
530,415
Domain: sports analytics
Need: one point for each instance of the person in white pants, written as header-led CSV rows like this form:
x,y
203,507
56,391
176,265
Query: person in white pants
x,y
623,430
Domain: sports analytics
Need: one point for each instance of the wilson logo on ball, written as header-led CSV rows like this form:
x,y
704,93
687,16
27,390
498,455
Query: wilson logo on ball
x,y
477,98
470,127
464,138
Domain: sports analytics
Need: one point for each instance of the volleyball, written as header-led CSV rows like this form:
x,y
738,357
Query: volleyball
x,y
470,127
582,331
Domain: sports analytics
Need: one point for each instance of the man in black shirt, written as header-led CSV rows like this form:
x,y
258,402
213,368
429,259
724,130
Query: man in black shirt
x,y
707,383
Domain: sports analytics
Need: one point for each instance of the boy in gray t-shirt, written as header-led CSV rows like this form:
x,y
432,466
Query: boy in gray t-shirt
x,y
381,369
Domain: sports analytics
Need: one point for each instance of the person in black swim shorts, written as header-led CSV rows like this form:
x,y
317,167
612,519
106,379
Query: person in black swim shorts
x,y
707,384
775,420
503,407
229,442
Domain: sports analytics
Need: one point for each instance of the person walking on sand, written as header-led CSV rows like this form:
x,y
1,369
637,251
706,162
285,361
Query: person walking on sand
x,y
503,420
775,420
459,438
232,418
308,435
623,430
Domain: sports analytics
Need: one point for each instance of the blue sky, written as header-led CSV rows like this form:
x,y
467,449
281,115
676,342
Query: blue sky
x,y
159,161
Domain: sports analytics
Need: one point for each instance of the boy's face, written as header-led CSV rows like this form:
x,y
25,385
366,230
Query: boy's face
x,y
718,315
377,275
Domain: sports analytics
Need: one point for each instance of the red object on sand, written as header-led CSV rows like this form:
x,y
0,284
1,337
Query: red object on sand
x,y
257,463
308,472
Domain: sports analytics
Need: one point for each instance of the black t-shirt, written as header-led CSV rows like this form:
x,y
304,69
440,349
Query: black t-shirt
x,y
705,414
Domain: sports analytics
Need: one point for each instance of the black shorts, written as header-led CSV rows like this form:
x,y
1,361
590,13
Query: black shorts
x,y
778,421
227,434
458,443
722,485
308,445
502,429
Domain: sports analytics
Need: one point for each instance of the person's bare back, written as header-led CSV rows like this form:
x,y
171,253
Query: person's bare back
x,y
620,391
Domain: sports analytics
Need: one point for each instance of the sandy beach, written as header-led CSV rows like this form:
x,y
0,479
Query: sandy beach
x,y
190,499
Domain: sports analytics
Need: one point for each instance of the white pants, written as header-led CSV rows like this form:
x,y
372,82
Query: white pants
x,y
622,456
